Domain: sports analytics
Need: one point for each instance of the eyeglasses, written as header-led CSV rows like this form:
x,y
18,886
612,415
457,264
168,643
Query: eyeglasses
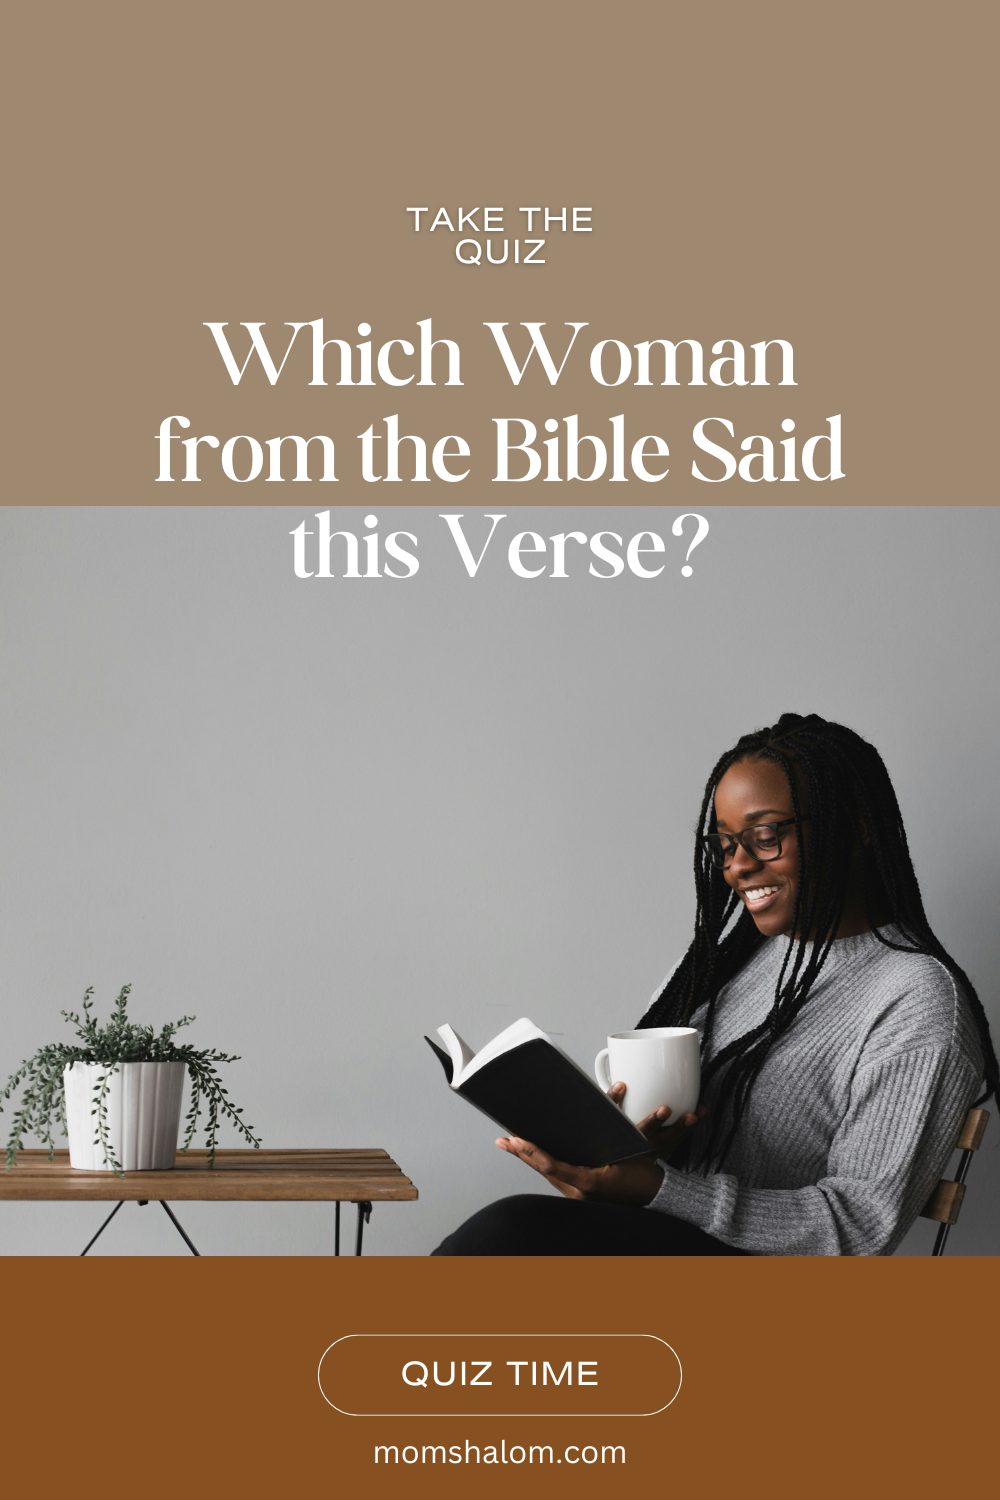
x,y
761,842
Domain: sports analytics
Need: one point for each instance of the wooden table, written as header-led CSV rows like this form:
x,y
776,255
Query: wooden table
x,y
361,1177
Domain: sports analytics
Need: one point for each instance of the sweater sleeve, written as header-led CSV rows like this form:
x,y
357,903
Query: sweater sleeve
x,y
905,1114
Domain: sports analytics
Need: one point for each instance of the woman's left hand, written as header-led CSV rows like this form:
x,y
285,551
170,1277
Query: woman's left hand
x,y
636,1180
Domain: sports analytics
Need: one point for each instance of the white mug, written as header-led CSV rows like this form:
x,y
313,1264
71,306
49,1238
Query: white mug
x,y
661,1065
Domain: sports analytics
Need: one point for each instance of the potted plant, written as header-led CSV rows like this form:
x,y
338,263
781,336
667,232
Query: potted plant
x,y
116,1092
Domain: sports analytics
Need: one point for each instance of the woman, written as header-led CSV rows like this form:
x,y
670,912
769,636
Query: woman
x,y
841,1045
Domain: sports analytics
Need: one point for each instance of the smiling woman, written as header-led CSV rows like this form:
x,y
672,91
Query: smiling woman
x,y
841,1044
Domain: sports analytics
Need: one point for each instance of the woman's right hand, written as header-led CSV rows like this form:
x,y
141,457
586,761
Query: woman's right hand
x,y
663,1134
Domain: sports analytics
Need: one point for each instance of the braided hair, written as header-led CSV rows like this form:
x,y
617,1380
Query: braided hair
x,y
851,804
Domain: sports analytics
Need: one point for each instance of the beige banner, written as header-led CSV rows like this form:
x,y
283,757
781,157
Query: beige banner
x,y
740,174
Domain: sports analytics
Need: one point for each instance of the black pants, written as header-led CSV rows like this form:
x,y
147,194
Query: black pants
x,y
534,1225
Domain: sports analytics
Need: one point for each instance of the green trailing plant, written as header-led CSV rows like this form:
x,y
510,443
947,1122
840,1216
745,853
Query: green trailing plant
x,y
43,1100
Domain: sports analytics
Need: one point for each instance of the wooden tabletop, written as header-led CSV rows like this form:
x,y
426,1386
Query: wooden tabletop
x,y
351,1176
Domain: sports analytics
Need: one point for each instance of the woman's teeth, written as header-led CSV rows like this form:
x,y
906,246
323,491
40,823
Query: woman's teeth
x,y
760,892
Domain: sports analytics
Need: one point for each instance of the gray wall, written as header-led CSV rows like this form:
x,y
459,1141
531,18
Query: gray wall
x,y
327,817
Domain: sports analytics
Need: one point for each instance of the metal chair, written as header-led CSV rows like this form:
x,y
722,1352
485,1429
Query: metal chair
x,y
946,1200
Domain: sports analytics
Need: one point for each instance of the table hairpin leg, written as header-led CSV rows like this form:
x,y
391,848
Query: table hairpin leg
x,y
103,1226
177,1225
364,1214
364,1209
142,1204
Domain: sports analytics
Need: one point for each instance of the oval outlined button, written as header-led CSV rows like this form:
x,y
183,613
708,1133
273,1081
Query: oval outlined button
x,y
499,1375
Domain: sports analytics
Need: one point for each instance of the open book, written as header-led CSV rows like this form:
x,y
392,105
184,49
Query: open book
x,y
531,1088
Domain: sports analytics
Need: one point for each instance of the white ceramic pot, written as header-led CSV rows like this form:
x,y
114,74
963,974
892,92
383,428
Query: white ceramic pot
x,y
143,1114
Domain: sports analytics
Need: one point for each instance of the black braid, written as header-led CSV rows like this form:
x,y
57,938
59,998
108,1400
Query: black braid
x,y
852,805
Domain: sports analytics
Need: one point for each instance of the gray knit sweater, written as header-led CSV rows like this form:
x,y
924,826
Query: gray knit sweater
x,y
854,1114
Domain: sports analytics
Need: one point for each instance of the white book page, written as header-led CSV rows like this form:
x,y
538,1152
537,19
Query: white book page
x,y
460,1051
521,1031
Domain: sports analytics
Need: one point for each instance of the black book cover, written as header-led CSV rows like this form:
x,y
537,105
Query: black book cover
x,y
533,1091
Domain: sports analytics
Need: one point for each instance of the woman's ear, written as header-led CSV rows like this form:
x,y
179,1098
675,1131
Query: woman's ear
x,y
866,837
